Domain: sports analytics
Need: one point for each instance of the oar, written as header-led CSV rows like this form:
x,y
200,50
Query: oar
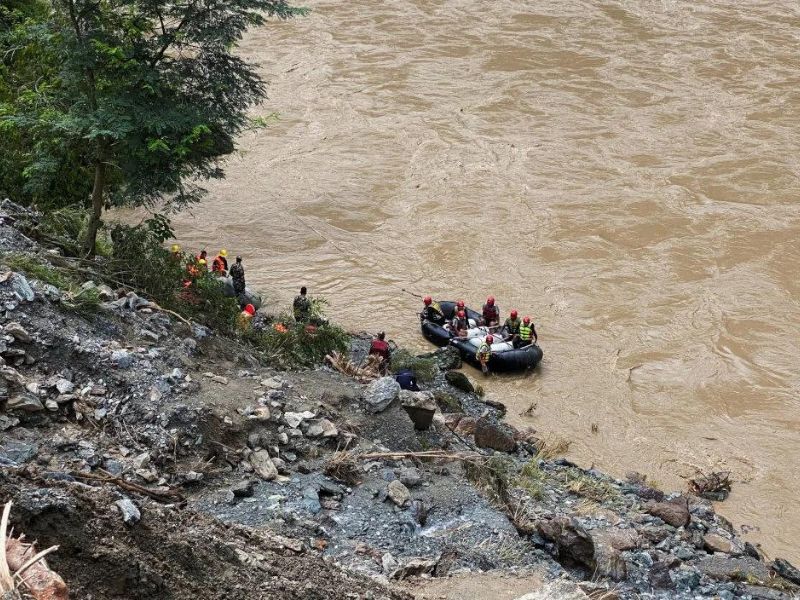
x,y
412,294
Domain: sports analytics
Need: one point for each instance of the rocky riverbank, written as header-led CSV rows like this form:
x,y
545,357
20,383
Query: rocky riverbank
x,y
171,462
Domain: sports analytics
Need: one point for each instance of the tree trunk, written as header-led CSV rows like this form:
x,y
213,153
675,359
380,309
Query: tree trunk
x,y
97,209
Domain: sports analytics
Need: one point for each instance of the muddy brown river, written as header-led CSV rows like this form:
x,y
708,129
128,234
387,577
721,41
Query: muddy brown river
x,y
626,172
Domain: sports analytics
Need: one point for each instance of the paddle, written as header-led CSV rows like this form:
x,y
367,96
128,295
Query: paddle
x,y
412,294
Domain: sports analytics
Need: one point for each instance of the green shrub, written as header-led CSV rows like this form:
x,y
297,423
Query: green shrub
x,y
139,260
214,308
83,301
36,268
424,368
295,346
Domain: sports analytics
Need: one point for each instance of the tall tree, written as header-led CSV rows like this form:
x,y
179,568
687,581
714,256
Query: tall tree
x,y
150,88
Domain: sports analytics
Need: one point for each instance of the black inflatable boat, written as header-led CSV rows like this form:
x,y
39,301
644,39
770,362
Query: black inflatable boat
x,y
505,358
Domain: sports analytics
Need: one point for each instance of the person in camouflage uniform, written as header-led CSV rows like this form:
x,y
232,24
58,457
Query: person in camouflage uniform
x,y
302,307
237,276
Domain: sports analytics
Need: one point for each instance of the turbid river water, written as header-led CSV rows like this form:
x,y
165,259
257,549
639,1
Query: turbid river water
x,y
626,172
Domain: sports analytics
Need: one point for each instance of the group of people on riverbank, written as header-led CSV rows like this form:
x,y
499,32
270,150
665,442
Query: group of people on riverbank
x,y
198,264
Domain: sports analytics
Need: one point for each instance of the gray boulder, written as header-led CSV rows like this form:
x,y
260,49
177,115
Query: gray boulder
x,y
263,465
381,393
130,513
24,403
21,287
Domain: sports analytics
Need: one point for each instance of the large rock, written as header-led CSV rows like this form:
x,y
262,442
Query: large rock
x,y
21,287
786,570
713,542
618,539
122,359
489,434
573,542
466,426
381,393
675,512
609,562
18,332
294,419
459,381
398,493
414,568
724,568
420,407
263,465
11,375
322,428
24,403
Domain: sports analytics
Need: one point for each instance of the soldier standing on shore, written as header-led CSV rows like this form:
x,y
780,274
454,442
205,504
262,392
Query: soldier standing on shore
x,y
237,277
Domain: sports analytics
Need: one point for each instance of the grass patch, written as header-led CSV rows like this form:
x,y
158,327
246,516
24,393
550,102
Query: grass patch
x,y
424,368
35,268
553,447
581,484
495,475
531,479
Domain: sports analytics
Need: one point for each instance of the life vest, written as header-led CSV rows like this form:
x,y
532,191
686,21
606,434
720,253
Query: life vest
x,y
490,313
484,352
218,266
459,324
437,308
244,320
526,332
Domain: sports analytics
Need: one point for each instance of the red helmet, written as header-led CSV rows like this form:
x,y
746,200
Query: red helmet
x,y
461,314
460,304
526,320
489,339
490,301
427,300
250,310
513,314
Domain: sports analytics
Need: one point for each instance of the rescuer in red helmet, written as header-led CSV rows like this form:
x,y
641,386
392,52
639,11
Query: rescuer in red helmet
x,y
484,353
527,334
511,326
432,312
491,313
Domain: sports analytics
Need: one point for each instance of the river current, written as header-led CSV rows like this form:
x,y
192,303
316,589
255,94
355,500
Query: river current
x,y
625,172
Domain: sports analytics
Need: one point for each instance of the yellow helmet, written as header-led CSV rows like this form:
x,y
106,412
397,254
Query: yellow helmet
x,y
223,253
175,248
202,261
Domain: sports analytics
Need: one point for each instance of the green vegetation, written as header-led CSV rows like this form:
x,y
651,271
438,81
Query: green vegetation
x,y
37,268
76,298
424,368
581,484
288,343
531,479
123,103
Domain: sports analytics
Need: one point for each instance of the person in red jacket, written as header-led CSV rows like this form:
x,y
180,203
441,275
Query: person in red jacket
x,y
491,314
380,347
